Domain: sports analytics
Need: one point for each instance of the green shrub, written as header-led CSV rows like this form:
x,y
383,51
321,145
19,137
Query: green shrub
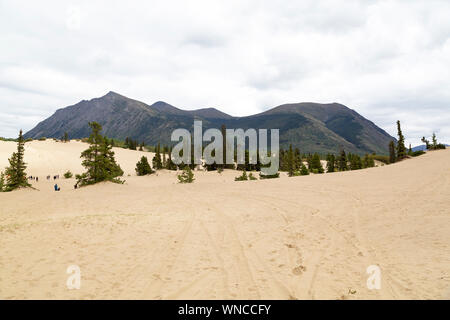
x,y
143,167
2,182
242,177
252,177
68,175
417,153
42,138
187,176
304,170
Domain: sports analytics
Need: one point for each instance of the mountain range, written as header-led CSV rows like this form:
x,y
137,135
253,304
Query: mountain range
x,y
312,127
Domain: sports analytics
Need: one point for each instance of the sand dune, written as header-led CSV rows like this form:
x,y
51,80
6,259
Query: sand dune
x,y
307,237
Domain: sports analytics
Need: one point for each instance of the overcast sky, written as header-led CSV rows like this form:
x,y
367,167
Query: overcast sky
x,y
387,60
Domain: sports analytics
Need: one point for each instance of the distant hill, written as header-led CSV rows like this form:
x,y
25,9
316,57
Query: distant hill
x,y
312,127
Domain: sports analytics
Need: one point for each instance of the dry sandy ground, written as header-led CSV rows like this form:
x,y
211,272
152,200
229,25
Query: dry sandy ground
x,y
307,237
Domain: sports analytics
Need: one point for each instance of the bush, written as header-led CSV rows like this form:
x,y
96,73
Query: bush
x,y
187,176
42,138
143,167
2,182
304,170
252,177
242,177
68,175
417,153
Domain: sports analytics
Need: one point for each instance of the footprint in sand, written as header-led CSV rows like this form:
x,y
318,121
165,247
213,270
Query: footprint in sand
x,y
299,270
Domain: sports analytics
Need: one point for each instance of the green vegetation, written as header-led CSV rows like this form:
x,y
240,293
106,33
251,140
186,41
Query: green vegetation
x,y
392,156
417,153
68,175
143,167
242,177
16,176
157,162
401,149
187,176
2,182
304,170
99,160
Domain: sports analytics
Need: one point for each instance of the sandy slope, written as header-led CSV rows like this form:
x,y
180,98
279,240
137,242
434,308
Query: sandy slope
x,y
291,238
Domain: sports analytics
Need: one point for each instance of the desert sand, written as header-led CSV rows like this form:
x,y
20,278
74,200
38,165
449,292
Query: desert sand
x,y
309,237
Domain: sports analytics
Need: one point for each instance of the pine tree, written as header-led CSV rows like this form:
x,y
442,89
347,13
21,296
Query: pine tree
x,y
410,150
304,170
392,157
342,162
187,176
434,141
156,162
143,167
66,137
316,165
297,159
309,160
170,165
15,173
2,182
99,160
330,162
355,162
290,162
427,143
401,149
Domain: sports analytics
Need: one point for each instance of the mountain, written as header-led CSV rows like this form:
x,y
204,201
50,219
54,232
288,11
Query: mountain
x,y
312,127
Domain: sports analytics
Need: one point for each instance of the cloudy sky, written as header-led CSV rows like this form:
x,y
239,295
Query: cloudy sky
x,y
387,60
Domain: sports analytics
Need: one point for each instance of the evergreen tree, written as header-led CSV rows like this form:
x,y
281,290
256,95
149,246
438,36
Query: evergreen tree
x,y
15,173
309,160
434,142
368,162
99,160
316,165
187,176
157,163
66,137
290,162
401,149
410,150
342,162
427,143
2,182
304,170
297,160
143,167
330,162
392,157
170,165
355,162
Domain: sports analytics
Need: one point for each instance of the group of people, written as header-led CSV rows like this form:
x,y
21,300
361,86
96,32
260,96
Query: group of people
x,y
55,177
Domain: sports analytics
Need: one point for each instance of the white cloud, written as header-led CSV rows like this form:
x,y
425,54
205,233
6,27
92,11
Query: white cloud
x,y
388,60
